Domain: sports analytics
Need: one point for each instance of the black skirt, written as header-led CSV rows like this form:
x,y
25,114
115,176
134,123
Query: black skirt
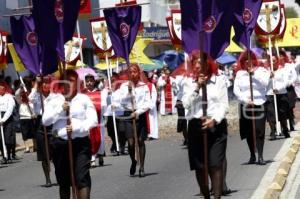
x,y
292,97
181,121
217,143
28,128
126,126
245,121
282,107
81,158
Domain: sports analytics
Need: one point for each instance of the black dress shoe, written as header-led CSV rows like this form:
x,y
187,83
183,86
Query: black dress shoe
x,y
4,161
48,184
252,160
101,161
133,168
141,173
287,135
261,161
226,192
272,137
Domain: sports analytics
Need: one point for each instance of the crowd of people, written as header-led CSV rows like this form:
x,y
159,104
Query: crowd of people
x,y
126,106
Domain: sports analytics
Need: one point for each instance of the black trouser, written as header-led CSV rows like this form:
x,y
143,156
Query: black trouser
x,y
111,133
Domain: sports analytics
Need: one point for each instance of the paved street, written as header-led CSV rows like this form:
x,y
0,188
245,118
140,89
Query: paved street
x,y
167,169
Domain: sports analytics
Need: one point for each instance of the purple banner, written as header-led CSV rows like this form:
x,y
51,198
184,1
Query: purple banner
x,y
36,58
55,22
123,25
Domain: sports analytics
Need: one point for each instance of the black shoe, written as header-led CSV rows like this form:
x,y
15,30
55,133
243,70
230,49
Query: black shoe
x,y
101,161
292,128
141,173
287,135
272,136
48,183
4,161
261,161
133,168
226,192
252,160
15,157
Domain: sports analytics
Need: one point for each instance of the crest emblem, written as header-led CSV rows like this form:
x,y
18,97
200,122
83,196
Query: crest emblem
x,y
124,29
269,18
58,11
176,23
210,24
72,49
247,15
100,34
31,38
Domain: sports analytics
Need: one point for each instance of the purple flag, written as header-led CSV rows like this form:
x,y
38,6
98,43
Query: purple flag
x,y
209,18
37,59
123,24
244,19
55,22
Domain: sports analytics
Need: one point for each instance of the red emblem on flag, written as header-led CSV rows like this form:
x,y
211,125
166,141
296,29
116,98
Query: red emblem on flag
x,y
247,15
210,24
124,28
58,11
31,38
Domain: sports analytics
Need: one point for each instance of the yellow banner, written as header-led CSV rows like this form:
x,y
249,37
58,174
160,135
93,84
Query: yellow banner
x,y
233,47
19,66
292,34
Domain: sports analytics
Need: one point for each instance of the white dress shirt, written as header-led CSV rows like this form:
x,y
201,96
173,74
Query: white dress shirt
x,y
141,94
279,82
35,98
217,99
260,81
82,114
7,104
291,73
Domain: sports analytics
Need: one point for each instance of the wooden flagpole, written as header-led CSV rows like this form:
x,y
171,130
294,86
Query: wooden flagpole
x,y
70,146
203,60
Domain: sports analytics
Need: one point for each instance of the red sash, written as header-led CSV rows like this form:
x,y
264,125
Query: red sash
x,y
168,96
95,133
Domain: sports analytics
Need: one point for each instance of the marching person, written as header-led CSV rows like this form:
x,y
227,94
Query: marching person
x,y
168,91
7,104
81,118
214,124
97,134
42,88
277,86
252,109
290,68
134,98
181,121
27,116
112,99
151,115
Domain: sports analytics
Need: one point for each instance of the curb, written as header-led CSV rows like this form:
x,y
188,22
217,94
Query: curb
x,y
280,178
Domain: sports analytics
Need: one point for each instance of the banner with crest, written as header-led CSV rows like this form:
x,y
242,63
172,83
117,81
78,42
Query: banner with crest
x,y
269,18
101,39
72,49
174,26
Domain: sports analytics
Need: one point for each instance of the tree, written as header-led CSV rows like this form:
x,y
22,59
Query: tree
x,y
298,1
290,12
